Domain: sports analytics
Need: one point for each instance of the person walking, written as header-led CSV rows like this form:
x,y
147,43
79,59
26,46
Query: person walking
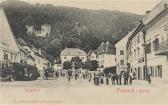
x,y
113,79
119,79
125,78
149,78
101,77
90,77
69,75
76,76
116,78
130,78
107,80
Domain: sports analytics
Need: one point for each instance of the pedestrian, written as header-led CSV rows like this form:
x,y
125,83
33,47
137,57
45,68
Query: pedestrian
x,y
125,78
113,79
90,77
76,76
116,78
130,78
101,77
94,78
119,79
149,78
69,75
107,80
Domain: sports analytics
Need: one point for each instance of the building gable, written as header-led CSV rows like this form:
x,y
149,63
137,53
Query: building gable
x,y
7,40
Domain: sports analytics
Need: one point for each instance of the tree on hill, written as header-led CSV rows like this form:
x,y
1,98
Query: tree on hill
x,y
67,65
77,62
71,27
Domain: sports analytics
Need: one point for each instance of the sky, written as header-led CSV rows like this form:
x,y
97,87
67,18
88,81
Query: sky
x,y
132,6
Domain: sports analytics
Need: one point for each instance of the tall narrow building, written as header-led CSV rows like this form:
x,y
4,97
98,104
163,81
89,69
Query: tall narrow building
x,y
9,50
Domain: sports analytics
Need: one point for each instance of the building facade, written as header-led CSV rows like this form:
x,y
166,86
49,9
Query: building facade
x,y
33,53
121,54
25,57
106,55
91,56
136,53
147,46
57,65
68,53
9,51
156,35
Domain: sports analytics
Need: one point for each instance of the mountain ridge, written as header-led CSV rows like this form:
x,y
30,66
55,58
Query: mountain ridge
x,y
71,27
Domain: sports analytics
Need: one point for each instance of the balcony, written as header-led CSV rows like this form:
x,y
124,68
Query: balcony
x,y
162,48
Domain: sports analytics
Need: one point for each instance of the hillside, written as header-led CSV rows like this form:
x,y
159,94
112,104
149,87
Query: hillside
x,y
71,27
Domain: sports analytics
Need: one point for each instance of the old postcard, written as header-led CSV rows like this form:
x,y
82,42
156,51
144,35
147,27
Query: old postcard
x,y
83,52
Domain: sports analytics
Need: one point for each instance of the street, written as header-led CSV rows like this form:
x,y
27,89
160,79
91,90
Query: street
x,y
81,92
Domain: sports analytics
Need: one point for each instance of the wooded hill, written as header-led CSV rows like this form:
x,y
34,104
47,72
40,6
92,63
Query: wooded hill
x,y
71,27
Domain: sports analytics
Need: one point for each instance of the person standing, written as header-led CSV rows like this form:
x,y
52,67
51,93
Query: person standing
x,y
107,80
130,78
119,78
149,78
101,77
125,78
113,79
76,76
90,77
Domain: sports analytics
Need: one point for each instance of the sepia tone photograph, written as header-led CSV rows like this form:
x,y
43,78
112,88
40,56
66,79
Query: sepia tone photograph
x,y
83,52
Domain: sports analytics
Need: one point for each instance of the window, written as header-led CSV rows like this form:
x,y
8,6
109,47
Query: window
x,y
152,71
121,62
64,57
121,52
155,44
159,67
148,48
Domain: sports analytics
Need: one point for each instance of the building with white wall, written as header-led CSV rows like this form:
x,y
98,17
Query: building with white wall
x,y
25,56
156,35
106,55
9,51
121,54
148,46
136,53
57,65
39,60
91,56
68,53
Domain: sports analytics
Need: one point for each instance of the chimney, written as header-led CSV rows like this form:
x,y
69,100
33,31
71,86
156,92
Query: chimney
x,y
147,12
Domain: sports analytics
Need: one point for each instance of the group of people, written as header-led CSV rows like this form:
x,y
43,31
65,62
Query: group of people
x,y
99,78
116,79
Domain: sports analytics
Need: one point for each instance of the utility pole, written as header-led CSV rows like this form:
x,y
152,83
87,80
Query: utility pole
x,y
144,45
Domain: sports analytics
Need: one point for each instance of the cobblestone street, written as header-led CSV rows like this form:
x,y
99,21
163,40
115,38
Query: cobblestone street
x,y
60,91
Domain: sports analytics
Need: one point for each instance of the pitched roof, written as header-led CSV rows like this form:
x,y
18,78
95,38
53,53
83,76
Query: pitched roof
x,y
58,61
7,39
90,52
150,15
106,48
22,42
28,55
73,52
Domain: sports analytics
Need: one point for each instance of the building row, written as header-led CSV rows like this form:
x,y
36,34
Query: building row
x,y
18,50
104,55
144,51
